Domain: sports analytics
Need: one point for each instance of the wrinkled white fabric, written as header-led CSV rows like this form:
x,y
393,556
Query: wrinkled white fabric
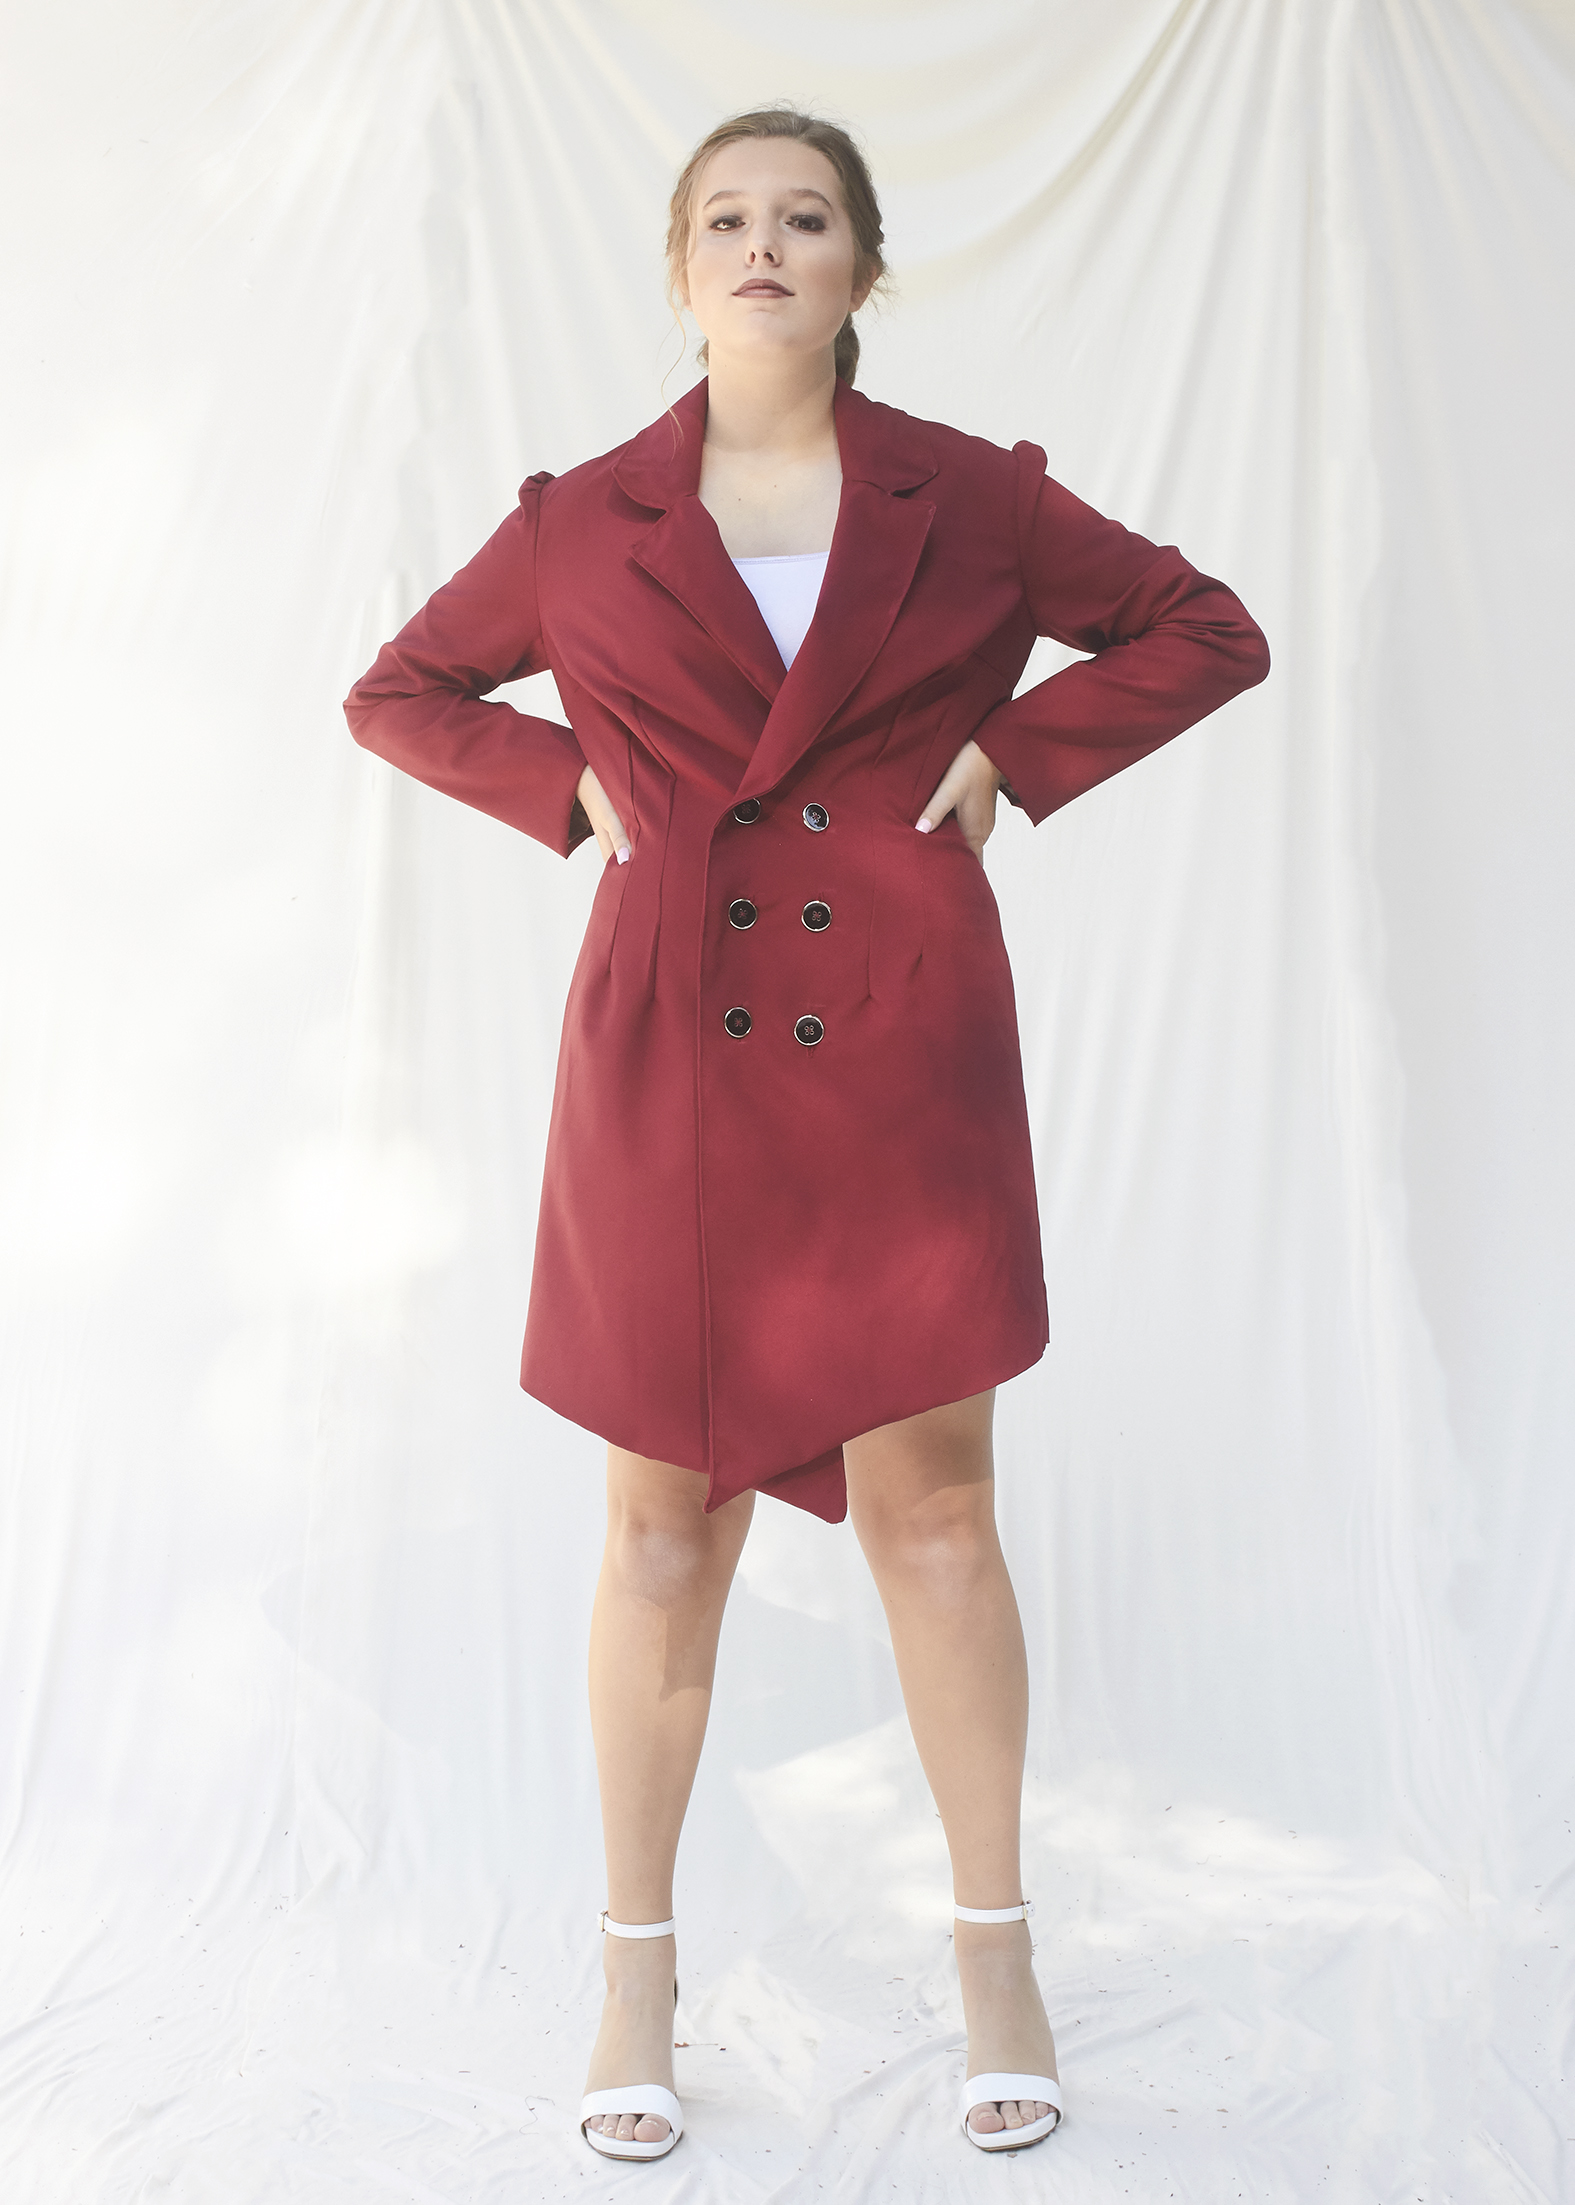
x,y
300,1853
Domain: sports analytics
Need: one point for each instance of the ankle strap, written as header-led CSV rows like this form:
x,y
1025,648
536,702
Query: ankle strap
x,y
1022,1912
611,1928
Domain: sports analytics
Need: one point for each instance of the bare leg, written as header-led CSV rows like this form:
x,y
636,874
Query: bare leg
x,y
664,1584
922,1497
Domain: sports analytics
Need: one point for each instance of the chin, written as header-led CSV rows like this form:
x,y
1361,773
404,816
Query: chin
x,y
768,343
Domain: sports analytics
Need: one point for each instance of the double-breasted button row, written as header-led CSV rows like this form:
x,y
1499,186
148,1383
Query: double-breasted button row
x,y
816,817
742,914
807,1029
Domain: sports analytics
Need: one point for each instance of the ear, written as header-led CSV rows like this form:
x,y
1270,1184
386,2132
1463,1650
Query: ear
x,y
863,285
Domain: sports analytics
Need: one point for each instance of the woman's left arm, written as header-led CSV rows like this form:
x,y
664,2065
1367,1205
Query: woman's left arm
x,y
1170,646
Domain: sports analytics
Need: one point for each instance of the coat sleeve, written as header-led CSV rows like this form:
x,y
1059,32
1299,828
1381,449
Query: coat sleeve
x,y
1169,646
420,703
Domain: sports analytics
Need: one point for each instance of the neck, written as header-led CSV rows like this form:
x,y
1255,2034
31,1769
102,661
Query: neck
x,y
781,405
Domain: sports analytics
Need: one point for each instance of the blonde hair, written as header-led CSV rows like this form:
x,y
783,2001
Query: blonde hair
x,y
858,196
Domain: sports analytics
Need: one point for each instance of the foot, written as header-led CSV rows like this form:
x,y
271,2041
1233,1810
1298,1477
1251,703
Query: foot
x,y
635,2041
1008,2029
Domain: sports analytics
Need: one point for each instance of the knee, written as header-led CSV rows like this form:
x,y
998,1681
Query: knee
x,y
947,1540
668,1553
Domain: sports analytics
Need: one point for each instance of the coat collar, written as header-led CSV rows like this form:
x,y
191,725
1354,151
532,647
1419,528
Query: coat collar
x,y
880,532
876,443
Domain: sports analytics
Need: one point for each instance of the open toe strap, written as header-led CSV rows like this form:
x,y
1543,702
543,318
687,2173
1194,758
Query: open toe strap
x,y
991,2089
638,2099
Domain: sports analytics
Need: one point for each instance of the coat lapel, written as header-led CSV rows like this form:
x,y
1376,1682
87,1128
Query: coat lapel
x,y
684,551
875,549
874,552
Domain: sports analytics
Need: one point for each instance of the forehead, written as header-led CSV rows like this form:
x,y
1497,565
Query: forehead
x,y
766,168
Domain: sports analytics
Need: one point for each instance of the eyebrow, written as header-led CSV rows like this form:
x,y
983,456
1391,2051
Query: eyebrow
x,y
798,191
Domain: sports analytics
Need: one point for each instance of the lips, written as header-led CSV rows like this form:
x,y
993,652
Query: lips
x,y
761,288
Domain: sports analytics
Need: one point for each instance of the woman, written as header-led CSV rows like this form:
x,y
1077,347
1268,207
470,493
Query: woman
x,y
788,1237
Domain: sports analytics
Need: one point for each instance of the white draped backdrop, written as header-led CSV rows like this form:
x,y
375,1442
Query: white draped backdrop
x,y
300,1853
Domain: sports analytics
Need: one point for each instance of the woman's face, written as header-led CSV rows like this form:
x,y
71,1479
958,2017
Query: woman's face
x,y
771,259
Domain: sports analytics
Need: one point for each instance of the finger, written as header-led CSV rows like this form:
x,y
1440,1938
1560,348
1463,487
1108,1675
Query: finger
x,y
976,817
608,829
605,823
943,801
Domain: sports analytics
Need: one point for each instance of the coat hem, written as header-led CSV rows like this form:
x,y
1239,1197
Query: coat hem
x,y
816,1483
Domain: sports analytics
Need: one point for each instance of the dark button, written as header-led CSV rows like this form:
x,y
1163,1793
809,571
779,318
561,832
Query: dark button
x,y
748,812
808,1030
817,917
816,818
742,914
738,1022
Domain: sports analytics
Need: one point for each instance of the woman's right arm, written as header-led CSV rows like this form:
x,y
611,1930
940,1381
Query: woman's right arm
x,y
420,705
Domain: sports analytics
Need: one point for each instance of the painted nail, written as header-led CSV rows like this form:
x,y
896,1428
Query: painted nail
x,y
925,827
623,855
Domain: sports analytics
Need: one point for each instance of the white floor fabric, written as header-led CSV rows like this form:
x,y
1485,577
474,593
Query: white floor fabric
x,y
298,1836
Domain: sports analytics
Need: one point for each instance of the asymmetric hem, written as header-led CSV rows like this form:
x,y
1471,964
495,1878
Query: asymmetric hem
x,y
817,1486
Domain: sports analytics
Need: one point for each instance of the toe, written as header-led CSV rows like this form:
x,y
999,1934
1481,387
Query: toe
x,y
625,2130
986,2119
650,2129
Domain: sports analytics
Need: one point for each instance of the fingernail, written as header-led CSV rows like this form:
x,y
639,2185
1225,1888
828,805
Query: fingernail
x,y
925,827
623,855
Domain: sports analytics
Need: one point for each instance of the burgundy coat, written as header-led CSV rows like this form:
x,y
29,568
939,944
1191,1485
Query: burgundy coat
x,y
754,1245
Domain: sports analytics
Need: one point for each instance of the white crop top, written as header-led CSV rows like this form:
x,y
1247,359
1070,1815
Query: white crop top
x,y
786,589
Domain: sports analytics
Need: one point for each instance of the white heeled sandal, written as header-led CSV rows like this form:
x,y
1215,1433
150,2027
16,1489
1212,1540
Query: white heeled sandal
x,y
991,2089
639,2099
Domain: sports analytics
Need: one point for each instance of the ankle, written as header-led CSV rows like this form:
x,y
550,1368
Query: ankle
x,y
991,1941
635,1970
640,1995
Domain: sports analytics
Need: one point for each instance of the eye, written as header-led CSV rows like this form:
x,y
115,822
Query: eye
x,y
808,221
725,221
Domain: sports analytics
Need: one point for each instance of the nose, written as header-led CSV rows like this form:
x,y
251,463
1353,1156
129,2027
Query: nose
x,y
763,250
